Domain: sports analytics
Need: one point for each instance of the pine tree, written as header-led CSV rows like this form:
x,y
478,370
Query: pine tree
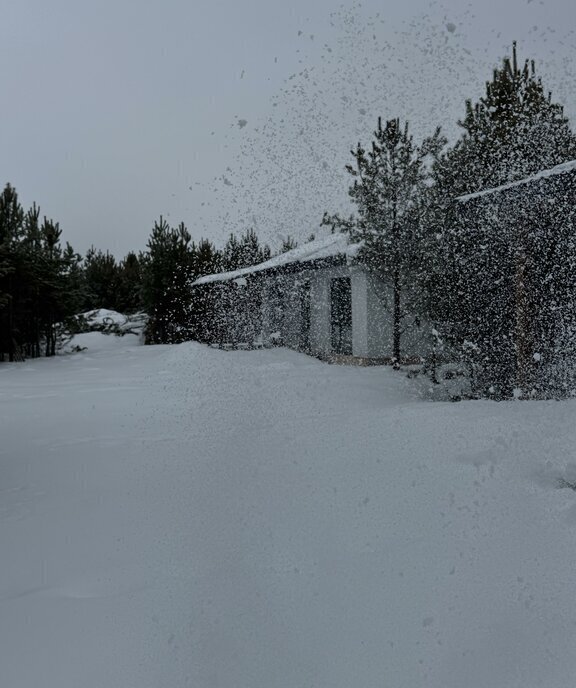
x,y
55,280
39,284
168,268
72,273
5,269
243,252
11,225
484,283
129,294
208,261
251,252
102,275
11,215
513,131
388,190
231,254
289,243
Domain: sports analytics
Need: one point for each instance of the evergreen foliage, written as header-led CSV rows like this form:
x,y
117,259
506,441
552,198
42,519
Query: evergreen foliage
x,y
43,284
244,251
40,283
229,312
208,261
499,279
101,273
112,284
168,268
389,189
129,294
290,243
512,132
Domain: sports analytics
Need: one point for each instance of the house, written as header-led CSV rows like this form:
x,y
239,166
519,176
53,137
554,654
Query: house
x,y
521,238
314,298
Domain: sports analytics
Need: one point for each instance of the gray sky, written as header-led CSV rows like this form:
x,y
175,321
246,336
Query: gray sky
x,y
228,114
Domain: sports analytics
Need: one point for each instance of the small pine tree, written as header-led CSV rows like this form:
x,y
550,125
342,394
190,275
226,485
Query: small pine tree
x,y
102,275
231,259
288,243
388,190
168,269
243,252
129,296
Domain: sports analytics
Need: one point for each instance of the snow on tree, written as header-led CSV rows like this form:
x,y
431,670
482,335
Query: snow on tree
x,y
390,182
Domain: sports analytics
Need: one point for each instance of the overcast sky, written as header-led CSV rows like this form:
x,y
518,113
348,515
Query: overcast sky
x,y
228,114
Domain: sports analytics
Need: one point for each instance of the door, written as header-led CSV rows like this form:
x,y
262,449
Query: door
x,y
341,315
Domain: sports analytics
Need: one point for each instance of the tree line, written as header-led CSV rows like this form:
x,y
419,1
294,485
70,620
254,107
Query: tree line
x,y
45,283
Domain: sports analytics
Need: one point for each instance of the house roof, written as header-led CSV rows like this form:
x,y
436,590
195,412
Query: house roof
x,y
327,247
558,169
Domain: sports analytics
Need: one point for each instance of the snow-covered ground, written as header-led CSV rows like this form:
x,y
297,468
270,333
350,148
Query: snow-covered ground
x,y
183,516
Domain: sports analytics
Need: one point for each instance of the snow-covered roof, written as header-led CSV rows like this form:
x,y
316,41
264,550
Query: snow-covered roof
x,y
558,169
327,247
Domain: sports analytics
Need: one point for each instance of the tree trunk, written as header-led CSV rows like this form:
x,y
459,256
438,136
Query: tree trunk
x,y
396,316
396,313
11,347
524,353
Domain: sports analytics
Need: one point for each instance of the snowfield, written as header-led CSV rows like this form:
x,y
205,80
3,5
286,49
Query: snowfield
x,y
183,516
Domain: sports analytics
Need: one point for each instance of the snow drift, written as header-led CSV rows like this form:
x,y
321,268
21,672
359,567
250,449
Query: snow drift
x,y
187,516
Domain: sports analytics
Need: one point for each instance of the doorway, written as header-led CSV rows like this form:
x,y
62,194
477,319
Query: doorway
x,y
304,338
341,315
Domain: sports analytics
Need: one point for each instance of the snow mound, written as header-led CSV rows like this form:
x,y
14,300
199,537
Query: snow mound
x,y
103,319
101,329
103,316
98,341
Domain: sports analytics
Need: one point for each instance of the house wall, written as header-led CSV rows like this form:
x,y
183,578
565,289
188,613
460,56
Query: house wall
x,y
360,313
268,306
320,321
319,313
320,309
292,315
416,332
379,318
371,314
276,304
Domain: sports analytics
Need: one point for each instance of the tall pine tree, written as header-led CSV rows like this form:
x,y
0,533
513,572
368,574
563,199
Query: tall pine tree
x,y
511,132
168,268
389,185
492,254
